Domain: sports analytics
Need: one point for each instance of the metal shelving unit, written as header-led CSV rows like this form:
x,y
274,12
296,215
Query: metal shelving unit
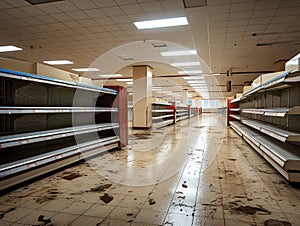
x,y
48,123
283,157
182,112
162,114
270,122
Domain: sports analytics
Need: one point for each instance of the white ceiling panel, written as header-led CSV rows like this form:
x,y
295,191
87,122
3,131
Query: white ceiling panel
x,y
86,4
113,11
149,7
132,9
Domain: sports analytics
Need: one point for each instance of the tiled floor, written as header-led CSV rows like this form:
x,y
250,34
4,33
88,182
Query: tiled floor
x,y
195,173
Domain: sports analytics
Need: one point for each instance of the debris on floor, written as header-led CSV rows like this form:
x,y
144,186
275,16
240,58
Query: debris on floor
x,y
184,185
250,210
106,198
71,176
2,213
272,222
41,218
101,188
151,201
45,198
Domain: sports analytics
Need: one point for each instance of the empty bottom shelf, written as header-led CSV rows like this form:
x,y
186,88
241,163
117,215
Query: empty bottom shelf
x,y
283,157
16,172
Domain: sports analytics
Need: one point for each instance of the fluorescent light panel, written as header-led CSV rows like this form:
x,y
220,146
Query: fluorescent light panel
x,y
85,69
129,83
178,21
185,64
179,53
111,75
57,62
190,72
199,82
9,48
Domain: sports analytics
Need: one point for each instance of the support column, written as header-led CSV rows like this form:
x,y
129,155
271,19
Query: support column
x,y
142,95
185,96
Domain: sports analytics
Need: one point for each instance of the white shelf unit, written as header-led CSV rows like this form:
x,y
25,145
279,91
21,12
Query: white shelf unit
x,y
162,114
47,123
193,112
284,157
182,112
270,122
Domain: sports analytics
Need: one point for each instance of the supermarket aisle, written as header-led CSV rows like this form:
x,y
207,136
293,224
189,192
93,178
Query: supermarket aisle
x,y
195,173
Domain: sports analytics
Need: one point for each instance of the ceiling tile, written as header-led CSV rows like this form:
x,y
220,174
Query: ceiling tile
x,y
105,3
284,19
241,7
15,13
120,19
66,6
17,3
267,4
218,9
78,15
217,2
88,23
151,7
4,5
263,13
290,3
125,2
127,26
73,24
32,11
138,17
104,21
237,23
131,9
45,19
86,4
260,20
288,11
113,11
156,15
48,8
172,4
95,13
240,16
62,17
219,17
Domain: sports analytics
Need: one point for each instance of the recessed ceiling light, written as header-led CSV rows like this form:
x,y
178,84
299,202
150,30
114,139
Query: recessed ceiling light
x,y
9,48
85,69
58,62
190,72
129,83
179,53
171,22
198,82
111,76
193,77
124,79
185,64
216,74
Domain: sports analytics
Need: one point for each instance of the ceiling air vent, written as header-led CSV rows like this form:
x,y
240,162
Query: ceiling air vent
x,y
159,44
35,2
125,57
194,3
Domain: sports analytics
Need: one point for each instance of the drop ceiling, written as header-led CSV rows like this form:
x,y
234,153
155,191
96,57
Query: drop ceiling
x,y
245,35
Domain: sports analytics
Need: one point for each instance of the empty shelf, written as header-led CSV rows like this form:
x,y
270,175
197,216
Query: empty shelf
x,y
272,130
236,117
234,109
235,100
283,157
44,110
276,112
162,110
183,110
36,161
52,81
163,116
161,103
27,138
180,114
